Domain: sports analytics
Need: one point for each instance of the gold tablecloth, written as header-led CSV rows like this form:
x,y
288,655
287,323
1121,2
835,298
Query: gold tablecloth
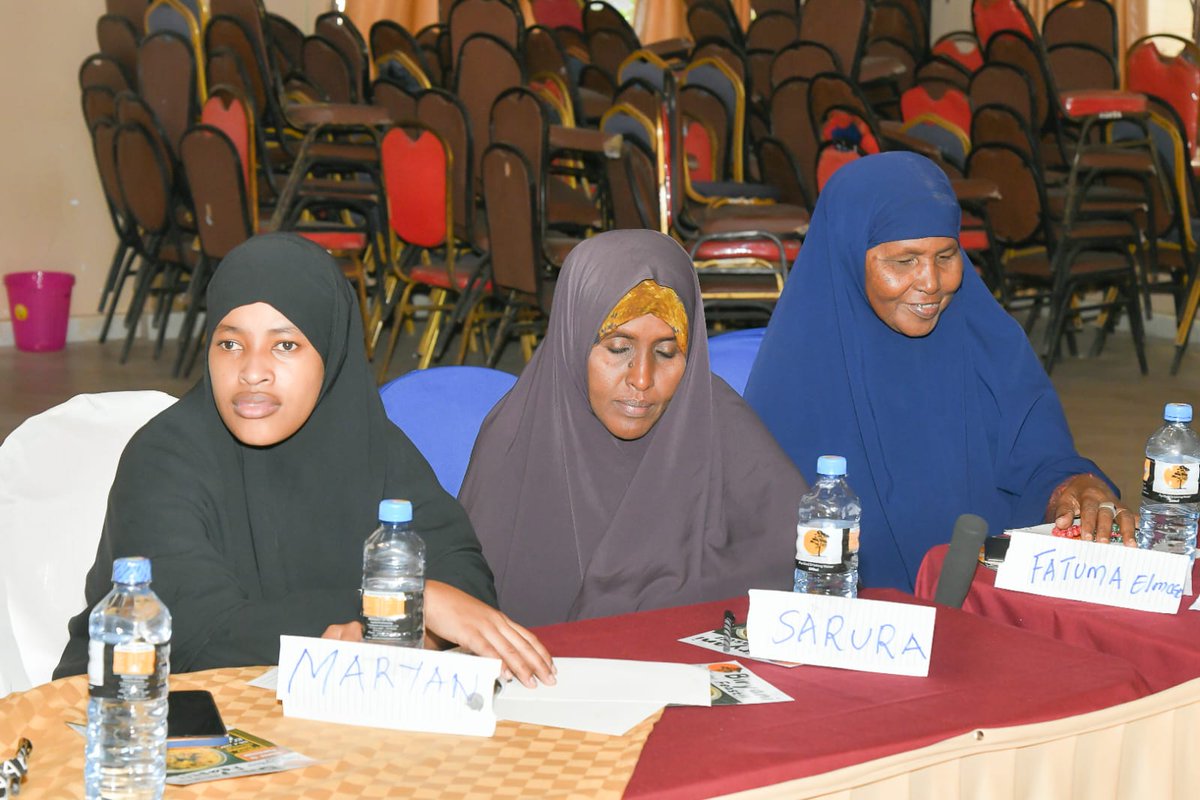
x,y
519,761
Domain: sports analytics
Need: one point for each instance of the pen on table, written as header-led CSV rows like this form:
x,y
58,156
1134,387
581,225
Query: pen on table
x,y
727,628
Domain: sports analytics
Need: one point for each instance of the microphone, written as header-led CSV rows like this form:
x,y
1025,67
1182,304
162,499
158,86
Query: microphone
x,y
959,567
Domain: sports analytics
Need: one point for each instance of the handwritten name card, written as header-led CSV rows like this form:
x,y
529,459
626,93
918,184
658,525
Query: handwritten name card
x,y
1108,574
386,687
863,635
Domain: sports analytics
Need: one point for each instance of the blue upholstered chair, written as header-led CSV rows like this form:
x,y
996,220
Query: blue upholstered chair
x,y
731,355
440,410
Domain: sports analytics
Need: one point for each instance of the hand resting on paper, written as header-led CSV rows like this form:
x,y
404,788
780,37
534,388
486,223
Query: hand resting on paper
x,y
454,617
1092,500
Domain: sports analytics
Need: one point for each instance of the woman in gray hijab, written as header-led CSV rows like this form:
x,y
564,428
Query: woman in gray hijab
x,y
619,474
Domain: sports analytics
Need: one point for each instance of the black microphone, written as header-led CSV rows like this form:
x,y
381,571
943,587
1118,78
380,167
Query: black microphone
x,y
959,567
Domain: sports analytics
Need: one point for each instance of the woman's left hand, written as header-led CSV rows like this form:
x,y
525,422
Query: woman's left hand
x,y
1092,500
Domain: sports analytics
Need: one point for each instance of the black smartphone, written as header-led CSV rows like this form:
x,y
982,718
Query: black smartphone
x,y
995,548
193,720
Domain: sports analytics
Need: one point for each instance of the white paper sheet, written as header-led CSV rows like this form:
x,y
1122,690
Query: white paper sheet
x,y
604,695
1094,572
386,687
865,635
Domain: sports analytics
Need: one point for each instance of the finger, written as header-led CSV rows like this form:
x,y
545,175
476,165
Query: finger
x,y
548,671
518,651
1127,523
1066,510
1088,510
489,641
1105,516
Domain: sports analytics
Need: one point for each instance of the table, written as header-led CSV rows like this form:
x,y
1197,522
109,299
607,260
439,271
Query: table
x,y
982,674
1164,648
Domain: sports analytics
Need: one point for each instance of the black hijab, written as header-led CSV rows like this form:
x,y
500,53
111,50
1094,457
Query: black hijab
x,y
577,523
247,543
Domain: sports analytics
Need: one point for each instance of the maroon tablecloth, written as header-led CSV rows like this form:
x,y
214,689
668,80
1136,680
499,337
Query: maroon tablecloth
x,y
983,674
1164,648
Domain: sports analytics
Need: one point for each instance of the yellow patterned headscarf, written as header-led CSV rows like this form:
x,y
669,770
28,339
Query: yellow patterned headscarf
x,y
649,298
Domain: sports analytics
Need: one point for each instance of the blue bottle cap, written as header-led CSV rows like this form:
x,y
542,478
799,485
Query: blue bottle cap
x,y
131,570
1178,412
831,465
395,511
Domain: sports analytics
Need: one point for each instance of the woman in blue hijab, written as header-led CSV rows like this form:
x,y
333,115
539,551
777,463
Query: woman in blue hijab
x,y
887,348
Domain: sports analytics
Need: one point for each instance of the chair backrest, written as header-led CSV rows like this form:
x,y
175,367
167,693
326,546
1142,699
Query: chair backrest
x,y
104,135
721,50
840,25
718,78
961,47
252,15
388,37
731,355
803,60
217,182
607,49
1089,22
761,7
950,104
791,124
441,410
417,175
327,68
99,102
44,553
897,22
143,176
1003,84
187,19
643,65
1017,217
167,81
399,101
118,39
287,44
341,32
399,68
520,119
486,66
132,10
228,111
1014,49
700,104
1175,79
131,108
707,19
772,31
558,13
445,114
778,167
101,70
229,47
511,199
638,178
498,18
1078,67
992,16
1000,124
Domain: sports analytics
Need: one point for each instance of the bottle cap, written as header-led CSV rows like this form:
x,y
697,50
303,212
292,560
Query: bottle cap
x,y
1178,412
831,465
395,511
131,570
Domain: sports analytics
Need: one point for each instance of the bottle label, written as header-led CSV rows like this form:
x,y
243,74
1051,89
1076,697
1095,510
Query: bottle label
x,y
384,605
1171,481
128,671
824,547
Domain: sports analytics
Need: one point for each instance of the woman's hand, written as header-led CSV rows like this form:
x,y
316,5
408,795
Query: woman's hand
x,y
1092,500
457,617
347,632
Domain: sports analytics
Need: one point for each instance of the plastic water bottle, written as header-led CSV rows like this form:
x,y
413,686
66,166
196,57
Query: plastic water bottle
x,y
827,533
128,667
1171,485
393,588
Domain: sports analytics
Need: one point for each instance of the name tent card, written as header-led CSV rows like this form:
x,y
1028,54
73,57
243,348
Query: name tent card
x,y
404,688
863,635
1108,574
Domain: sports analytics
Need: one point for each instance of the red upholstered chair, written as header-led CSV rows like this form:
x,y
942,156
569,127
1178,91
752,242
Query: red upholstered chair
x,y
1174,79
993,16
960,47
418,176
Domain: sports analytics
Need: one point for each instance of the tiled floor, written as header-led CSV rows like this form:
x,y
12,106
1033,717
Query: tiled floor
x,y
1110,407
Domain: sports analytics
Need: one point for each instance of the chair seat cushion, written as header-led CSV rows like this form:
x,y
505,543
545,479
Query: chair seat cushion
x,y
436,275
1037,265
1093,102
757,191
336,240
570,205
556,247
778,218
973,239
763,249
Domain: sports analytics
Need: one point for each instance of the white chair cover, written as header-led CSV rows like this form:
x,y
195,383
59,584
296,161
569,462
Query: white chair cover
x,y
55,473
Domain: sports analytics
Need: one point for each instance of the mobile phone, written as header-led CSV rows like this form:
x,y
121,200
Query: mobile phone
x,y
995,548
193,720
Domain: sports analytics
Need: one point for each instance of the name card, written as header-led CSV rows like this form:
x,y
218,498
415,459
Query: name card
x,y
863,635
404,688
1108,574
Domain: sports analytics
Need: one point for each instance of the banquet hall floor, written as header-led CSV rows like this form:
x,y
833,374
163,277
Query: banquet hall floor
x,y
1110,407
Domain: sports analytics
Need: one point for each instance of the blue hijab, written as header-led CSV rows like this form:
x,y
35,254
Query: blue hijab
x,y
962,420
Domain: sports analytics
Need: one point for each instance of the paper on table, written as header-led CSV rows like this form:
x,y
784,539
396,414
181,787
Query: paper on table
x,y
604,695
738,645
268,680
1071,569
734,685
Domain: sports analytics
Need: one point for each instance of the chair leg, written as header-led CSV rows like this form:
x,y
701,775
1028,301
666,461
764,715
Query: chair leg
x,y
118,287
510,311
1135,324
429,338
195,293
146,275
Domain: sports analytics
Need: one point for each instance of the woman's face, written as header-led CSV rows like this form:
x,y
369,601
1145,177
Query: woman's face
x,y
910,282
266,376
633,373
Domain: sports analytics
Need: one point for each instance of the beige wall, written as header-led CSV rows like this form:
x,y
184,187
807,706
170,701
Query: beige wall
x,y
54,211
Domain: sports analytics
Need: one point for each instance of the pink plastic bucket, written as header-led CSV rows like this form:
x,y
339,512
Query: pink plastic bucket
x,y
40,305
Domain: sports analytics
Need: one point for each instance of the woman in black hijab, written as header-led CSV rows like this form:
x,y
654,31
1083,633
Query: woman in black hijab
x,y
252,495
620,474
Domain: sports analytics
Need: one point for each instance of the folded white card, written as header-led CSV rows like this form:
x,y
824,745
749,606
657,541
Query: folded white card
x,y
1094,572
386,687
858,634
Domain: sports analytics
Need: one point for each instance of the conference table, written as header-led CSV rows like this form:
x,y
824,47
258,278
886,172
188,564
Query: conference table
x,y
984,678
1164,648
